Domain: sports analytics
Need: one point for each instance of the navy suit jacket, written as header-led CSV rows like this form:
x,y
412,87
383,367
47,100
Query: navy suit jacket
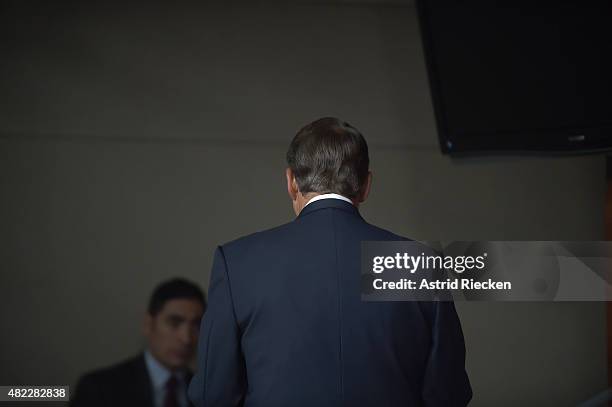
x,y
286,326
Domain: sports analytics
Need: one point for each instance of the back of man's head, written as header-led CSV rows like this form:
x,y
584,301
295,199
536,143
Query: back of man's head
x,y
329,156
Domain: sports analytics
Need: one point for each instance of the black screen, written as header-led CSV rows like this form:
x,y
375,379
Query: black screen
x,y
520,75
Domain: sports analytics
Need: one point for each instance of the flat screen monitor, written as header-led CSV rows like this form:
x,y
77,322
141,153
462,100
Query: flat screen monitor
x,y
519,76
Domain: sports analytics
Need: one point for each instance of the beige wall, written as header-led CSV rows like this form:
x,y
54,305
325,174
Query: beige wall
x,y
134,141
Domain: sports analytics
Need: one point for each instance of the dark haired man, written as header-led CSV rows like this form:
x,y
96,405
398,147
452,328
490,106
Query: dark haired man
x,y
286,325
159,376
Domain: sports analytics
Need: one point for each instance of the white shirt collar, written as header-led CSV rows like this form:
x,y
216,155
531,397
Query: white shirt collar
x,y
159,377
328,196
158,372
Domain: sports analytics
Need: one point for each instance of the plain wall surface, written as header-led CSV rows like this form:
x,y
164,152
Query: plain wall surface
x,y
135,140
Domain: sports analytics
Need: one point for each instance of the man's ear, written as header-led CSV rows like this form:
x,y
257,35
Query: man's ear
x,y
365,190
292,188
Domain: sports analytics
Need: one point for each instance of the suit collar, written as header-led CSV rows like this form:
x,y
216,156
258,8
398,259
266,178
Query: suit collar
x,y
141,382
328,203
327,196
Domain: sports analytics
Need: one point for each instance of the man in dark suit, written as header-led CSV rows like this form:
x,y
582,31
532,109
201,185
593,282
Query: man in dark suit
x,y
159,376
286,325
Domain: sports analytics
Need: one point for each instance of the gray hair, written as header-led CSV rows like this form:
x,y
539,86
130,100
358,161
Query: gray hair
x,y
329,155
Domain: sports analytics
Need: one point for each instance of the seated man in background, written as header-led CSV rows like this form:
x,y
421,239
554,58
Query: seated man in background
x,y
159,376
